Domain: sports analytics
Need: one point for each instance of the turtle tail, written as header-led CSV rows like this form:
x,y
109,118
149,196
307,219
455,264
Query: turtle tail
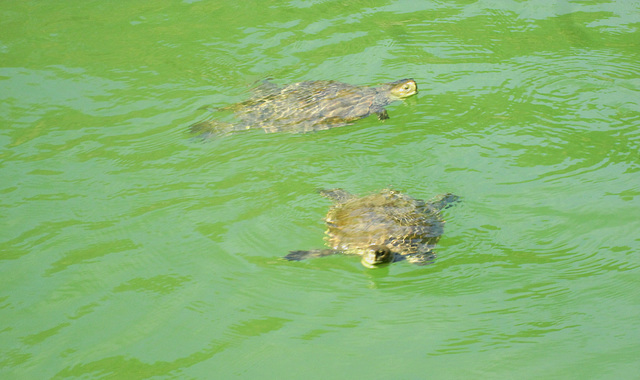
x,y
440,202
213,128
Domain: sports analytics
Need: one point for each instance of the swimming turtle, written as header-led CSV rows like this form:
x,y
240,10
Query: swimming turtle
x,y
308,106
382,227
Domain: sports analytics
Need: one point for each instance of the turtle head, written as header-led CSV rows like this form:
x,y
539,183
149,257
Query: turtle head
x,y
404,88
376,255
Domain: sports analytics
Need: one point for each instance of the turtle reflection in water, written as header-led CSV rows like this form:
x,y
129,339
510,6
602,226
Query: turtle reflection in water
x,y
308,106
381,228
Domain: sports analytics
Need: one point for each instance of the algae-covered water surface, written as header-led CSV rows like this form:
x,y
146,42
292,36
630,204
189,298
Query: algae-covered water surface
x,y
131,250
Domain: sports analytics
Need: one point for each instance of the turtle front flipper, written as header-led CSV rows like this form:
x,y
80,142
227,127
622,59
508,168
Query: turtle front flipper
x,y
383,115
302,255
424,258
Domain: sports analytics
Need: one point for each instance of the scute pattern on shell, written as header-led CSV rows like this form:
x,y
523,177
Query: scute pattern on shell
x,y
308,106
406,225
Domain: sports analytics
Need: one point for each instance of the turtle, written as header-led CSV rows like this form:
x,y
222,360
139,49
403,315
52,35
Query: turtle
x,y
383,227
307,106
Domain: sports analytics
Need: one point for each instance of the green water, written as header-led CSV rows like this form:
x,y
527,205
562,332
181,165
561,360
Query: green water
x,y
128,250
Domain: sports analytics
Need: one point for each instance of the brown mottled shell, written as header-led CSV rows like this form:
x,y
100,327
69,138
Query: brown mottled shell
x,y
389,218
310,106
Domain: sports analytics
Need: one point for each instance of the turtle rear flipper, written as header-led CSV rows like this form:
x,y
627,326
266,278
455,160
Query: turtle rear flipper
x,y
265,87
443,201
336,195
302,255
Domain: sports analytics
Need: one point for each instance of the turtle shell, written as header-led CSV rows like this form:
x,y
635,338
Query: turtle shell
x,y
309,106
389,218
